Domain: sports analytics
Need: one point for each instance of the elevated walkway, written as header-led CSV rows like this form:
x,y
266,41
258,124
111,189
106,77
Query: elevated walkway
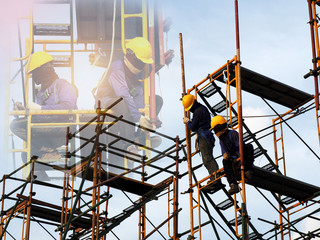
x,y
270,89
283,185
52,213
120,182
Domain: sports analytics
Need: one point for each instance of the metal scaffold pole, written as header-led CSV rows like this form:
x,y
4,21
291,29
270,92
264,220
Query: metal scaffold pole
x,y
244,214
188,139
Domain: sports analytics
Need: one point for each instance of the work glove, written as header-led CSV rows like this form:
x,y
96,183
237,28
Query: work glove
x,y
33,106
226,156
145,122
18,106
185,120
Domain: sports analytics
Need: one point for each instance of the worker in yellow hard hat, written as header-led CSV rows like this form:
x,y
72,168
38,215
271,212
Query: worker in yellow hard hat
x,y
229,143
200,123
123,80
54,94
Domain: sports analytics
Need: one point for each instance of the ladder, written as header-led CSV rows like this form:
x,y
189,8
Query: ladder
x,y
35,42
206,90
235,122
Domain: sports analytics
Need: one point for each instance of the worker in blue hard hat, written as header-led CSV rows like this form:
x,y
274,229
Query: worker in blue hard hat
x,y
200,123
229,143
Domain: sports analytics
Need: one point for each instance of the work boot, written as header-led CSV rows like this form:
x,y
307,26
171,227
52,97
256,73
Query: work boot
x,y
213,187
217,182
248,174
133,154
50,157
134,150
233,189
155,141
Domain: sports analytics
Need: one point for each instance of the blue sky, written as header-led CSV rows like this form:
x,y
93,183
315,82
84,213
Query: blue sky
x,y
274,41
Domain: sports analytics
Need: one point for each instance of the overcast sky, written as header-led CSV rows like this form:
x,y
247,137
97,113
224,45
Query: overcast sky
x,y
274,41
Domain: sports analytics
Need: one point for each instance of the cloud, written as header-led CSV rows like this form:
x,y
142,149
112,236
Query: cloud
x,y
256,118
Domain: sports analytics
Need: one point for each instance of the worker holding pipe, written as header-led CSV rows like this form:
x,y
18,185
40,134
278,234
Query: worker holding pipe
x,y
200,123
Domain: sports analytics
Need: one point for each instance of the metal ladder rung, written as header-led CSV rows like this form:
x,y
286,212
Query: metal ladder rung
x,y
41,29
268,167
234,121
233,221
219,107
209,91
247,136
239,221
288,200
62,61
133,15
129,208
225,204
258,152
253,236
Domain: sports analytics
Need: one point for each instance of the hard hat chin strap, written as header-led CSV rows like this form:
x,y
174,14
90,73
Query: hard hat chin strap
x,y
131,67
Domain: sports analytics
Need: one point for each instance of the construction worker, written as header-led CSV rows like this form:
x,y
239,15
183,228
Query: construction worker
x,y
229,143
200,123
54,94
121,80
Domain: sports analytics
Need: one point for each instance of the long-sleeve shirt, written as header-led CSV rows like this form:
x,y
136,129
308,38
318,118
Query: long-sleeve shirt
x,y
115,84
230,143
61,95
200,121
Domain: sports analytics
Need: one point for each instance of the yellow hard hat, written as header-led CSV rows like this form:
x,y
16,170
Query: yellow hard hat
x,y
217,120
141,48
38,59
187,101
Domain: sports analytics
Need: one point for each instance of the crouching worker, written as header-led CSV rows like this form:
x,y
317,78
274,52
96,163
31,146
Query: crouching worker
x,y
229,143
54,94
200,123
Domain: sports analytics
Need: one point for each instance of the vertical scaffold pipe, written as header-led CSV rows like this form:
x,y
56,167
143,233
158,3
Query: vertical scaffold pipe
x,y
176,193
95,179
312,22
239,99
188,139
65,185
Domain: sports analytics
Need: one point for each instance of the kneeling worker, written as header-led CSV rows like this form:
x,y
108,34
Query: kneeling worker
x,y
229,143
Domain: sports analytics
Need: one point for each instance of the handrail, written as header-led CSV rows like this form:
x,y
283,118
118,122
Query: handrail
x,y
31,39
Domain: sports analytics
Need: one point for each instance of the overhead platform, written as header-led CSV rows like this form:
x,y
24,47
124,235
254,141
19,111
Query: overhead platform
x,y
283,185
52,213
271,89
121,183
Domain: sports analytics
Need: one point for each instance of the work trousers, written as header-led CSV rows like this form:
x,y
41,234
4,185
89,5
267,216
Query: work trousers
x,y
206,146
232,167
41,137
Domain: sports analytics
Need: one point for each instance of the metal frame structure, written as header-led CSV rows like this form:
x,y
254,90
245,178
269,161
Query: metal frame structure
x,y
289,204
83,213
205,89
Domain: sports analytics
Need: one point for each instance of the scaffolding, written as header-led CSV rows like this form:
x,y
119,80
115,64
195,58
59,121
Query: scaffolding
x,y
292,195
88,175
83,211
